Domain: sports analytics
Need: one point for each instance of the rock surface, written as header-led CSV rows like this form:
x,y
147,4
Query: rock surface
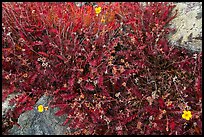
x,y
189,26
36,123
189,35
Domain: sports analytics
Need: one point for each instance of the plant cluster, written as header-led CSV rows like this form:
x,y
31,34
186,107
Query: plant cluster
x,y
110,68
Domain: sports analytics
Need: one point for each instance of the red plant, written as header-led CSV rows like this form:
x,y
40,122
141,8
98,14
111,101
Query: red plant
x,y
111,73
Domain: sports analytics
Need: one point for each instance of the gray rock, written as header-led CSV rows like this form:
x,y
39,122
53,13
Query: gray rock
x,y
36,123
189,26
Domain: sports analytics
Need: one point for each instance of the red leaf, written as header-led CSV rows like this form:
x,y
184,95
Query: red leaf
x,y
93,62
89,56
142,47
128,119
89,87
172,125
60,112
45,39
92,115
71,82
68,96
66,121
59,105
119,132
161,102
28,30
128,72
140,64
105,92
132,21
116,26
18,111
136,92
58,65
198,87
21,98
166,48
28,108
37,43
32,79
63,88
100,81
110,25
13,88
56,91
38,33
44,54
24,99
57,41
69,113
53,31
77,26
60,57
75,122
12,101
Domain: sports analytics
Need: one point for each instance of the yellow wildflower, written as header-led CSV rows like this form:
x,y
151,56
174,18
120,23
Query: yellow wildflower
x,y
98,10
40,108
186,115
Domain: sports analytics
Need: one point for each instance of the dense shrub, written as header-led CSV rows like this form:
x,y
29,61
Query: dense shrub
x,y
111,73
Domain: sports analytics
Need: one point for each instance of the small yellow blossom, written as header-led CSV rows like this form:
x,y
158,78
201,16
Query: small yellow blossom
x,y
186,115
40,108
98,10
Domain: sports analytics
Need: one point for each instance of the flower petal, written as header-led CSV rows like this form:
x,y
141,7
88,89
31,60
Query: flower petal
x,y
40,108
184,111
187,118
189,112
184,116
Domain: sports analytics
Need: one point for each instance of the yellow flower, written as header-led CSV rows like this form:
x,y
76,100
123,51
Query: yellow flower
x,y
98,10
40,108
186,115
